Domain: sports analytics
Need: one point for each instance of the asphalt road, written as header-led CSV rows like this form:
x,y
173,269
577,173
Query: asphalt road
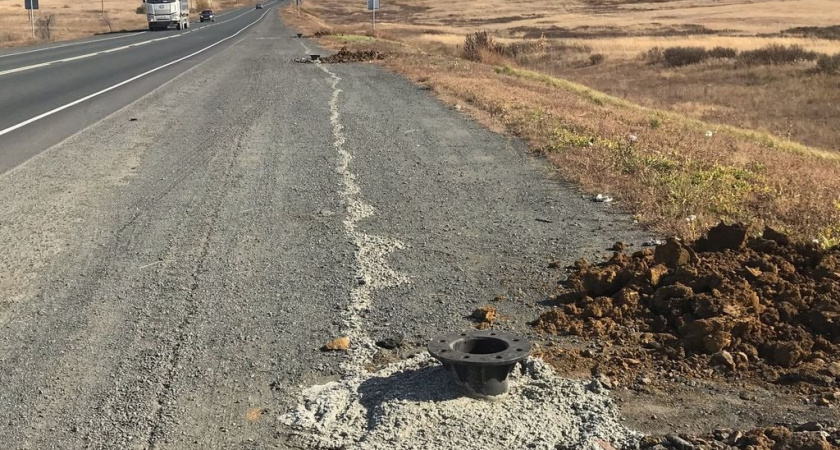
x,y
170,268
42,80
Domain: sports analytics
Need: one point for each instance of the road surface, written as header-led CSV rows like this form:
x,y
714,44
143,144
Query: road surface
x,y
176,250
41,81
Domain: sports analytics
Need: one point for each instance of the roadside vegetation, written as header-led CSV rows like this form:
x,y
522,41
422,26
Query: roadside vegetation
x,y
683,130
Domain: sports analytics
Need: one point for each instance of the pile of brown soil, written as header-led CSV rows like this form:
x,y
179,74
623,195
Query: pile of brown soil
x,y
346,56
809,436
759,304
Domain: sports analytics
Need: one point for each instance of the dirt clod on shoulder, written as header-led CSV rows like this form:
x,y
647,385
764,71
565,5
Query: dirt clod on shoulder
x,y
739,303
346,56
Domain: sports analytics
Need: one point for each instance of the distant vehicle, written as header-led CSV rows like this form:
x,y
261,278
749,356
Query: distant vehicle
x,y
259,6
162,13
207,16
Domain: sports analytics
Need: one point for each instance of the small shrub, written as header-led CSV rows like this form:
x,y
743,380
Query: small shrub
x,y
829,64
684,56
723,52
829,32
777,54
569,47
655,123
43,27
141,9
477,43
653,56
596,59
517,49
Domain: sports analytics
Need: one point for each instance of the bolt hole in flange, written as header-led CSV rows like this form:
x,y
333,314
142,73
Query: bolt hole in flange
x,y
480,361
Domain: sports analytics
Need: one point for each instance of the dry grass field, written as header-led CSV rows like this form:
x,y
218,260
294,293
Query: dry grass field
x,y
73,20
738,136
567,33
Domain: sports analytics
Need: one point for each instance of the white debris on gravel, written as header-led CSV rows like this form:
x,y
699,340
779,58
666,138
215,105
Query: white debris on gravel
x,y
601,198
414,405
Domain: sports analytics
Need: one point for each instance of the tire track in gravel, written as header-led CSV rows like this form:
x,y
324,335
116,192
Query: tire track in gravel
x,y
193,305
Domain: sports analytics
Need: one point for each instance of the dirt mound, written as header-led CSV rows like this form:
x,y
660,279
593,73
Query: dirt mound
x,y
730,301
346,56
809,436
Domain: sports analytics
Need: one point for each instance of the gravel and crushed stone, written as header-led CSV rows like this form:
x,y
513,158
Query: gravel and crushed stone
x,y
414,404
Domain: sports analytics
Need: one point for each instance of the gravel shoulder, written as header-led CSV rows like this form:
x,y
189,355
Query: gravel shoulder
x,y
174,269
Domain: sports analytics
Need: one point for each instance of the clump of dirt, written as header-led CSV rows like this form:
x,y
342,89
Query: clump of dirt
x,y
760,305
485,316
808,436
346,56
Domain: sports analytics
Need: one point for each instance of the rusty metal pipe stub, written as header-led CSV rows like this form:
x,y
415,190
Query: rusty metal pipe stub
x,y
480,361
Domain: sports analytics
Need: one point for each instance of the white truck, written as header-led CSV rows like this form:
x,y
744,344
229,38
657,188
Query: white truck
x,y
163,13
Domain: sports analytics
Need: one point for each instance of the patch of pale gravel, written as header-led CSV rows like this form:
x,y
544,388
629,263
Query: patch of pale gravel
x,y
414,405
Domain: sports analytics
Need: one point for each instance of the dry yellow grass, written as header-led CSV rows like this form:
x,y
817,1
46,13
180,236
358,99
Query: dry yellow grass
x,y
75,20
663,166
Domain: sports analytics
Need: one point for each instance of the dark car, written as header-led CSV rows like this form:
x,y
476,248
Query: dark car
x,y
207,16
259,6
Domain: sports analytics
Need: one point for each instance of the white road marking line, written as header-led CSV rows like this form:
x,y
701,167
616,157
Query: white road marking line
x,y
71,44
88,55
123,83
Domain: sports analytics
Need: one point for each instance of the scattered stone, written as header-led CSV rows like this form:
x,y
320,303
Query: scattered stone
x,y
811,426
822,401
605,381
390,342
485,314
604,444
723,358
834,369
601,198
338,344
722,434
679,443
